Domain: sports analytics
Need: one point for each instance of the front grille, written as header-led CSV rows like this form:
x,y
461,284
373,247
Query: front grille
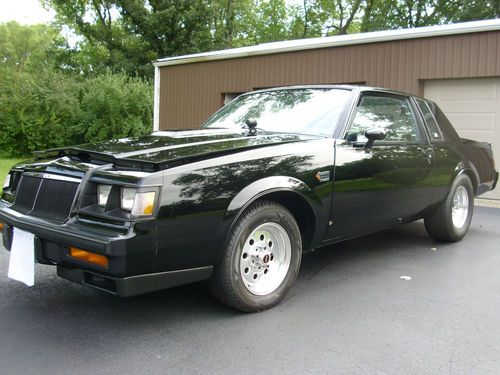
x,y
46,198
26,194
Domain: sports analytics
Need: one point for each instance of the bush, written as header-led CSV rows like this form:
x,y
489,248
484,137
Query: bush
x,y
35,111
49,109
115,106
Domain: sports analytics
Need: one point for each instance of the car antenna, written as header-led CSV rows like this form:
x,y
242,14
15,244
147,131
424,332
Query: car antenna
x,y
251,123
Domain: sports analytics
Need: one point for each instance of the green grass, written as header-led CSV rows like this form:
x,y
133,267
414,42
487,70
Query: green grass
x,y
5,165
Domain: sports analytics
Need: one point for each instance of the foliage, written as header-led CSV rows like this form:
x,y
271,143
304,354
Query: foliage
x,y
50,109
5,166
23,48
394,14
36,111
43,107
114,106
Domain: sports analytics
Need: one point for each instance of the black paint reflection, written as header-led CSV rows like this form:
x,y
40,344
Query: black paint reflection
x,y
225,181
374,187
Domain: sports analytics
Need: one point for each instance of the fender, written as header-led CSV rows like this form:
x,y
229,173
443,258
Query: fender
x,y
268,185
467,168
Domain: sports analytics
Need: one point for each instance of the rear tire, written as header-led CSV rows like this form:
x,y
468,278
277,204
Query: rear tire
x,y
451,219
260,260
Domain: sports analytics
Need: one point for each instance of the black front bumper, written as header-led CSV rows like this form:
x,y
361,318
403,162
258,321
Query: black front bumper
x,y
52,240
135,285
131,253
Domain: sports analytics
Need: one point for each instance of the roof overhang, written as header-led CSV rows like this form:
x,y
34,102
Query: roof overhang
x,y
334,41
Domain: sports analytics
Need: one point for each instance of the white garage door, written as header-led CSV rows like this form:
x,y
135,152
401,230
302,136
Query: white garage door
x,y
473,107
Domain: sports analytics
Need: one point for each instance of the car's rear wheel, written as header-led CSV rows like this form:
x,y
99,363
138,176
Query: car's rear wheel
x,y
451,219
261,259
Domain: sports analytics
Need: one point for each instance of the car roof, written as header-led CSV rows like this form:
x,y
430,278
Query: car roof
x,y
348,87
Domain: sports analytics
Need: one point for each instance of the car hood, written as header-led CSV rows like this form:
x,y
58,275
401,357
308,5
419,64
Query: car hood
x,y
164,149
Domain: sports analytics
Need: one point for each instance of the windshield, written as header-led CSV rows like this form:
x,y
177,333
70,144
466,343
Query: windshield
x,y
304,111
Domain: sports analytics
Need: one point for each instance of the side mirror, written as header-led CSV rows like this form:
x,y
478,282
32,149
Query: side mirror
x,y
373,135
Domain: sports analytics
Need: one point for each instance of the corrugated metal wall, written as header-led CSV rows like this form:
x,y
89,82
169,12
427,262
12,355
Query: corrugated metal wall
x,y
190,93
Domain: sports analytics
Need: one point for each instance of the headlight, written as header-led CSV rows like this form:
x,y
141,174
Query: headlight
x,y
103,192
144,204
6,184
127,198
138,203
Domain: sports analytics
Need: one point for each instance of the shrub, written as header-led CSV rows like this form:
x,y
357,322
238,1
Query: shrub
x,y
35,110
49,109
115,106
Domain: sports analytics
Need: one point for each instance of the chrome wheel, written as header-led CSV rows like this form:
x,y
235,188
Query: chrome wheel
x,y
460,208
265,259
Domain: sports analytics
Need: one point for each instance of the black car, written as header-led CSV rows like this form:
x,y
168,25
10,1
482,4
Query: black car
x,y
271,175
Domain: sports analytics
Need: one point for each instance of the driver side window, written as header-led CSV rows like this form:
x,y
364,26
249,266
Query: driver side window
x,y
391,114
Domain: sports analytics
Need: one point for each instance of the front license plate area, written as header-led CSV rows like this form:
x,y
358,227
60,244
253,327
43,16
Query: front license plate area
x,y
22,257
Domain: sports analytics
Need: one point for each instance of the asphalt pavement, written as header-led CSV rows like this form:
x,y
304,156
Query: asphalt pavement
x,y
395,302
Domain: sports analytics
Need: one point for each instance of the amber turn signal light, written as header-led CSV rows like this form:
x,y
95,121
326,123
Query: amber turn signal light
x,y
1,227
89,257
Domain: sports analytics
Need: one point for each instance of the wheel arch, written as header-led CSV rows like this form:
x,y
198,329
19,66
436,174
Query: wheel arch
x,y
470,171
291,193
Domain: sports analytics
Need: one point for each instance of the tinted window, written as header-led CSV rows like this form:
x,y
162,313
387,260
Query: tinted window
x,y
447,129
306,111
391,114
432,125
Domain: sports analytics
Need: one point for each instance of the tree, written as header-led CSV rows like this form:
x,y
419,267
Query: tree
x,y
132,33
395,14
44,104
455,11
23,47
339,15
106,44
271,21
306,20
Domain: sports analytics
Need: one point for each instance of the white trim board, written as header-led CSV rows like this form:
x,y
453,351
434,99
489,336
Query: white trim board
x,y
334,41
156,103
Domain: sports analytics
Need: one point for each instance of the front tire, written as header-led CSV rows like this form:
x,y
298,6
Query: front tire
x,y
260,260
451,220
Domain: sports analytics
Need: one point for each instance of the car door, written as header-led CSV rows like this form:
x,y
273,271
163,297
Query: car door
x,y
392,181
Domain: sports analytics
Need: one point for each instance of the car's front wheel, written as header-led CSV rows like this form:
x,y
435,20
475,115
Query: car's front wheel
x,y
260,260
451,219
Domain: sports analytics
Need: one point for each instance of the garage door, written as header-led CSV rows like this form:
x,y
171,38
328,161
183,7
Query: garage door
x,y
473,107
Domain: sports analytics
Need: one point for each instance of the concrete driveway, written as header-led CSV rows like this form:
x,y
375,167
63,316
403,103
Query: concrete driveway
x,y
350,312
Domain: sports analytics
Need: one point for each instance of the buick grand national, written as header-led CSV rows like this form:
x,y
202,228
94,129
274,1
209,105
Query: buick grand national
x,y
271,175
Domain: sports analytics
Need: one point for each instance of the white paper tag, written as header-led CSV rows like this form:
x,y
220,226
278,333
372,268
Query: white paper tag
x,y
22,257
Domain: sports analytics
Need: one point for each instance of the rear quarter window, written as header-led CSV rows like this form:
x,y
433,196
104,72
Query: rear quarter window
x,y
444,124
430,121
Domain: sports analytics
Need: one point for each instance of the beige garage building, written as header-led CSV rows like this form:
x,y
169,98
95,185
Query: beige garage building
x,y
458,66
